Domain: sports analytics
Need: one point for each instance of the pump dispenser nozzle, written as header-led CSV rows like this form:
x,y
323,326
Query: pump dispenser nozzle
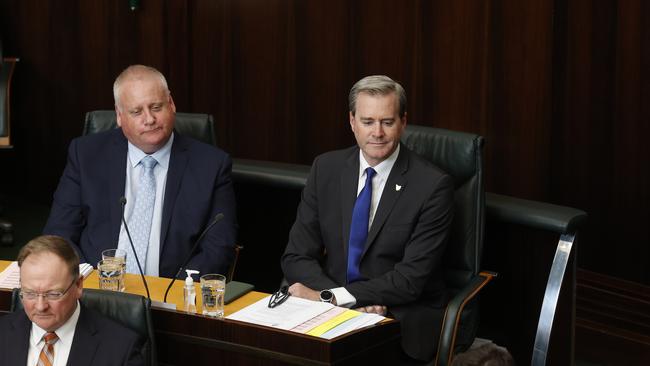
x,y
189,293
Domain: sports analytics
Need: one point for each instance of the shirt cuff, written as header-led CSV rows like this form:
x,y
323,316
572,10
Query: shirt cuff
x,y
343,297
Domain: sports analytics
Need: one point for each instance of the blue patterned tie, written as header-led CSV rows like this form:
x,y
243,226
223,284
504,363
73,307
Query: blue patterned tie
x,y
359,227
140,222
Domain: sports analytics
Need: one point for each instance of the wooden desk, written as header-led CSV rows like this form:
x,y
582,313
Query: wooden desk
x,y
187,339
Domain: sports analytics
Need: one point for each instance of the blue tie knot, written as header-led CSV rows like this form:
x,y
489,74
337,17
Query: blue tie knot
x,y
148,162
370,172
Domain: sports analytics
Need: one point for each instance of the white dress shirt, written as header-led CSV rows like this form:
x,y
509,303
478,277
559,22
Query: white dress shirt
x,y
343,297
133,168
61,347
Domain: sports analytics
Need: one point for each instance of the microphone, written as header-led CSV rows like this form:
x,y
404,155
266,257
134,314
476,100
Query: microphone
x,y
128,234
214,221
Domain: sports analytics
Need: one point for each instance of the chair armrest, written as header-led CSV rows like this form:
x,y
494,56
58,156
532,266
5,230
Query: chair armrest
x,y
282,175
534,214
452,316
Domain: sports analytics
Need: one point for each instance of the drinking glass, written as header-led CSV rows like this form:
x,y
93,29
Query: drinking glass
x,y
213,288
111,275
118,256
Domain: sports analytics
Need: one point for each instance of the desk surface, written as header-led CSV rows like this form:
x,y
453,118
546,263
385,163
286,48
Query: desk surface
x,y
188,339
157,287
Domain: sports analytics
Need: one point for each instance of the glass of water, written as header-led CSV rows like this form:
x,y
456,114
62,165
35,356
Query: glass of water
x,y
118,256
111,275
213,288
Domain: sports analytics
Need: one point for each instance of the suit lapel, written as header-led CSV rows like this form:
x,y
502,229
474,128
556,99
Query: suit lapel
x,y
389,196
349,186
85,341
177,164
19,341
117,180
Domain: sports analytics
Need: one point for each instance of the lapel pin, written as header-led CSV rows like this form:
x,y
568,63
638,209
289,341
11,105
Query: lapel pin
x,y
398,187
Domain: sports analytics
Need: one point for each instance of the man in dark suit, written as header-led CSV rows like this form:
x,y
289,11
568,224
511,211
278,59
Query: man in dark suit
x,y
173,185
54,328
386,257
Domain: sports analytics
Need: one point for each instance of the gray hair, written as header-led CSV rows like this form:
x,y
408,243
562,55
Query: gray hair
x,y
137,72
377,85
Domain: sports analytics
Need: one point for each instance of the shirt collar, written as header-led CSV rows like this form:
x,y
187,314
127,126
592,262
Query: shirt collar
x,y
161,156
382,169
65,332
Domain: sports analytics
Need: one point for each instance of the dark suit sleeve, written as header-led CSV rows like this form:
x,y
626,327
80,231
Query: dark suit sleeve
x,y
216,251
67,218
422,258
304,254
134,353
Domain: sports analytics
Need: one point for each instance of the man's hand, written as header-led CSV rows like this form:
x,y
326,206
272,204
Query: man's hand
x,y
302,291
375,309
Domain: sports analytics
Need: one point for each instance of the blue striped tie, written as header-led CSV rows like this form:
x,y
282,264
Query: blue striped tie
x,y
359,228
140,221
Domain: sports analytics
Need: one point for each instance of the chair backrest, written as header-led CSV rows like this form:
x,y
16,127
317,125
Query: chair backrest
x,y
460,155
196,125
6,72
132,311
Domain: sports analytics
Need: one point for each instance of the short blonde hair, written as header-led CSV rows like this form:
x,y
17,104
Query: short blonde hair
x,y
51,244
377,85
136,72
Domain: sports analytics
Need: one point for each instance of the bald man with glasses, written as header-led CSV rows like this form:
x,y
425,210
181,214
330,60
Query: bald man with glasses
x,y
55,329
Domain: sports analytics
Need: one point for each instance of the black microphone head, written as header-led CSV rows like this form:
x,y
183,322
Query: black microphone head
x,y
122,200
218,217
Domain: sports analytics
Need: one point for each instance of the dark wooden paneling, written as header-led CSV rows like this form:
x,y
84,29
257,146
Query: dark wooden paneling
x,y
599,153
559,89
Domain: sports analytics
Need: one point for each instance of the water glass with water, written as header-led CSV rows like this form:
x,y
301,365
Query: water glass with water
x,y
111,275
118,256
213,288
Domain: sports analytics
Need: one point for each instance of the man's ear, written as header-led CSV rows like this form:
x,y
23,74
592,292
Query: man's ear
x,y
118,116
80,286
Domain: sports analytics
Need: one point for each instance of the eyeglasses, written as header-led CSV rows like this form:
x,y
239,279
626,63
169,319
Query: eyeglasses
x,y
279,297
49,296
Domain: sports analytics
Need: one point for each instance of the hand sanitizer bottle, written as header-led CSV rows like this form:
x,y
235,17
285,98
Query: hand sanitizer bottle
x,y
189,293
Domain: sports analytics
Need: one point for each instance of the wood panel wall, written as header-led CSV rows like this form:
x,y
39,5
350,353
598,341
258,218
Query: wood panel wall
x,y
559,89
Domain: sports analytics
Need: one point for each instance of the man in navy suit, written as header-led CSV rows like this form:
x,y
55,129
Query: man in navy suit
x,y
393,264
188,184
54,327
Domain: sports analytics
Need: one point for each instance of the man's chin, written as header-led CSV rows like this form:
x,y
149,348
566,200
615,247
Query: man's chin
x,y
379,152
44,322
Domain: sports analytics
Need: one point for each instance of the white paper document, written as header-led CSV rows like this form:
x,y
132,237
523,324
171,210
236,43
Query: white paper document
x,y
10,277
293,312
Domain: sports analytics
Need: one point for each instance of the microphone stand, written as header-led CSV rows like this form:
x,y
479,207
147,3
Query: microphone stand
x,y
216,219
128,234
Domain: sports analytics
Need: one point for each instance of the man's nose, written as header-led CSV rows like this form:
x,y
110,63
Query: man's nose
x,y
41,303
149,118
378,129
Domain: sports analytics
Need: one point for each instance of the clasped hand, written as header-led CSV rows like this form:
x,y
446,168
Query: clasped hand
x,y
302,291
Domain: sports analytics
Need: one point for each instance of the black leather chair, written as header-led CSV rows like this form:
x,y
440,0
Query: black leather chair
x,y
196,125
499,209
132,311
7,65
460,155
